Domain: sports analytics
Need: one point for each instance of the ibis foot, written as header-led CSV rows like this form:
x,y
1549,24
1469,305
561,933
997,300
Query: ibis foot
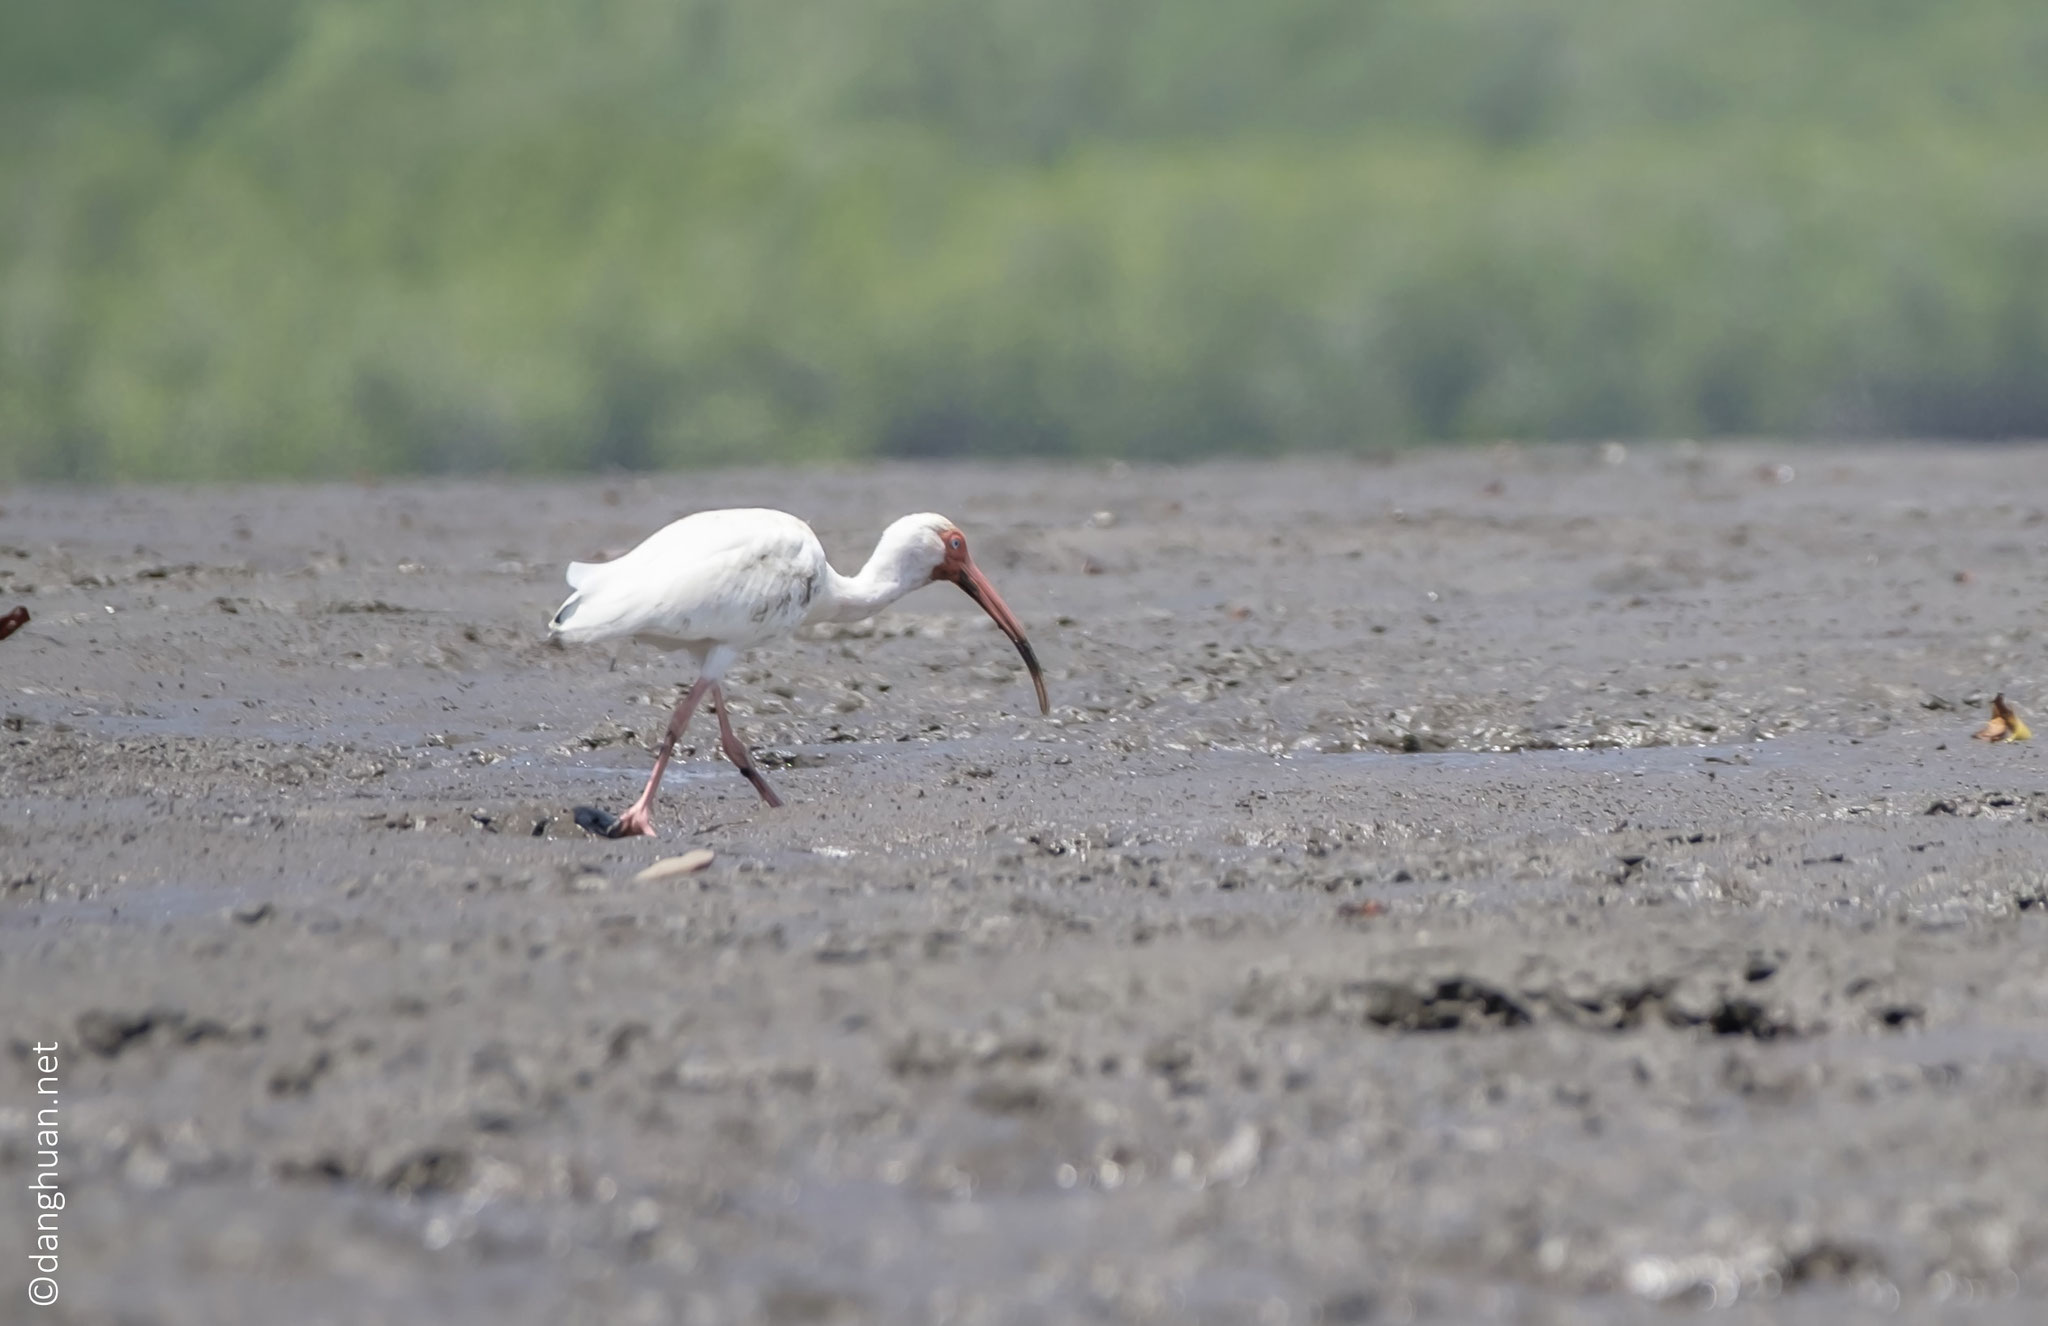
x,y
632,824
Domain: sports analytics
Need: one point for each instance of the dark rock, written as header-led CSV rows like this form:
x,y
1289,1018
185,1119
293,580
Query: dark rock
x,y
1454,1003
110,1033
298,1079
428,1172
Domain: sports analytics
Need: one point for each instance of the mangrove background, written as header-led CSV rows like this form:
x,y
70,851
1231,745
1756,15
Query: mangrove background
x,y
344,237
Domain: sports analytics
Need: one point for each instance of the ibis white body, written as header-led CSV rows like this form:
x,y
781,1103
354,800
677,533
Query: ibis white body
x,y
718,582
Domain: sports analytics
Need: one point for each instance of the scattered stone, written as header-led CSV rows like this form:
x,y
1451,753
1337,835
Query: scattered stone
x,y
1739,1017
674,867
109,1033
1445,1005
1830,1260
367,606
605,732
620,1047
428,1172
327,1167
1235,1160
844,948
592,820
298,1079
1012,1098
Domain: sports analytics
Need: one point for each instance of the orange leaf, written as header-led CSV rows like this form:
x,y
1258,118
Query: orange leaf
x,y
2005,724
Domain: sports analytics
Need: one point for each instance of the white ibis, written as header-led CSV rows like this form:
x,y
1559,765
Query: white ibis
x,y
718,583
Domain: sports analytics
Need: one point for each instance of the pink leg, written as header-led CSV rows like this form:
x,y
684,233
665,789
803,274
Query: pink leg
x,y
638,820
736,750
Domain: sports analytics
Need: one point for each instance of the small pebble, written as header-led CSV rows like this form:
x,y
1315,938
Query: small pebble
x,y
669,867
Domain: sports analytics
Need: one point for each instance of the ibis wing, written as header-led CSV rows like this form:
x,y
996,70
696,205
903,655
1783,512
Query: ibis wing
x,y
732,577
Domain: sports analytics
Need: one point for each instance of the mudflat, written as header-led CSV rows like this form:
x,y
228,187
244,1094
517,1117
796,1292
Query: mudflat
x,y
1523,884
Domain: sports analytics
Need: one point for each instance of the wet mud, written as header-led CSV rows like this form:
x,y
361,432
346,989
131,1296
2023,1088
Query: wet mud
x,y
1535,885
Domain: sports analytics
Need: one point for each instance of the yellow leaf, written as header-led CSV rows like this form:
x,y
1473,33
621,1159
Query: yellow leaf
x,y
2005,724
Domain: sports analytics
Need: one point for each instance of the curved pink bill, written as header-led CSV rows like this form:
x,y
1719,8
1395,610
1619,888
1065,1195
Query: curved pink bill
x,y
981,591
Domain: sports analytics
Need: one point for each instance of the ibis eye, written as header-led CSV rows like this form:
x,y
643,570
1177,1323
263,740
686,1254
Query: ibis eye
x,y
958,543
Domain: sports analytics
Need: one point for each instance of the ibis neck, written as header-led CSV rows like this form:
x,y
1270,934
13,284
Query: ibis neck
x,y
853,598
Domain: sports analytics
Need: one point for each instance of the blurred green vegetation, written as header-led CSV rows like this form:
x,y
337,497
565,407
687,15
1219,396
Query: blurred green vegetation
x,y
300,237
